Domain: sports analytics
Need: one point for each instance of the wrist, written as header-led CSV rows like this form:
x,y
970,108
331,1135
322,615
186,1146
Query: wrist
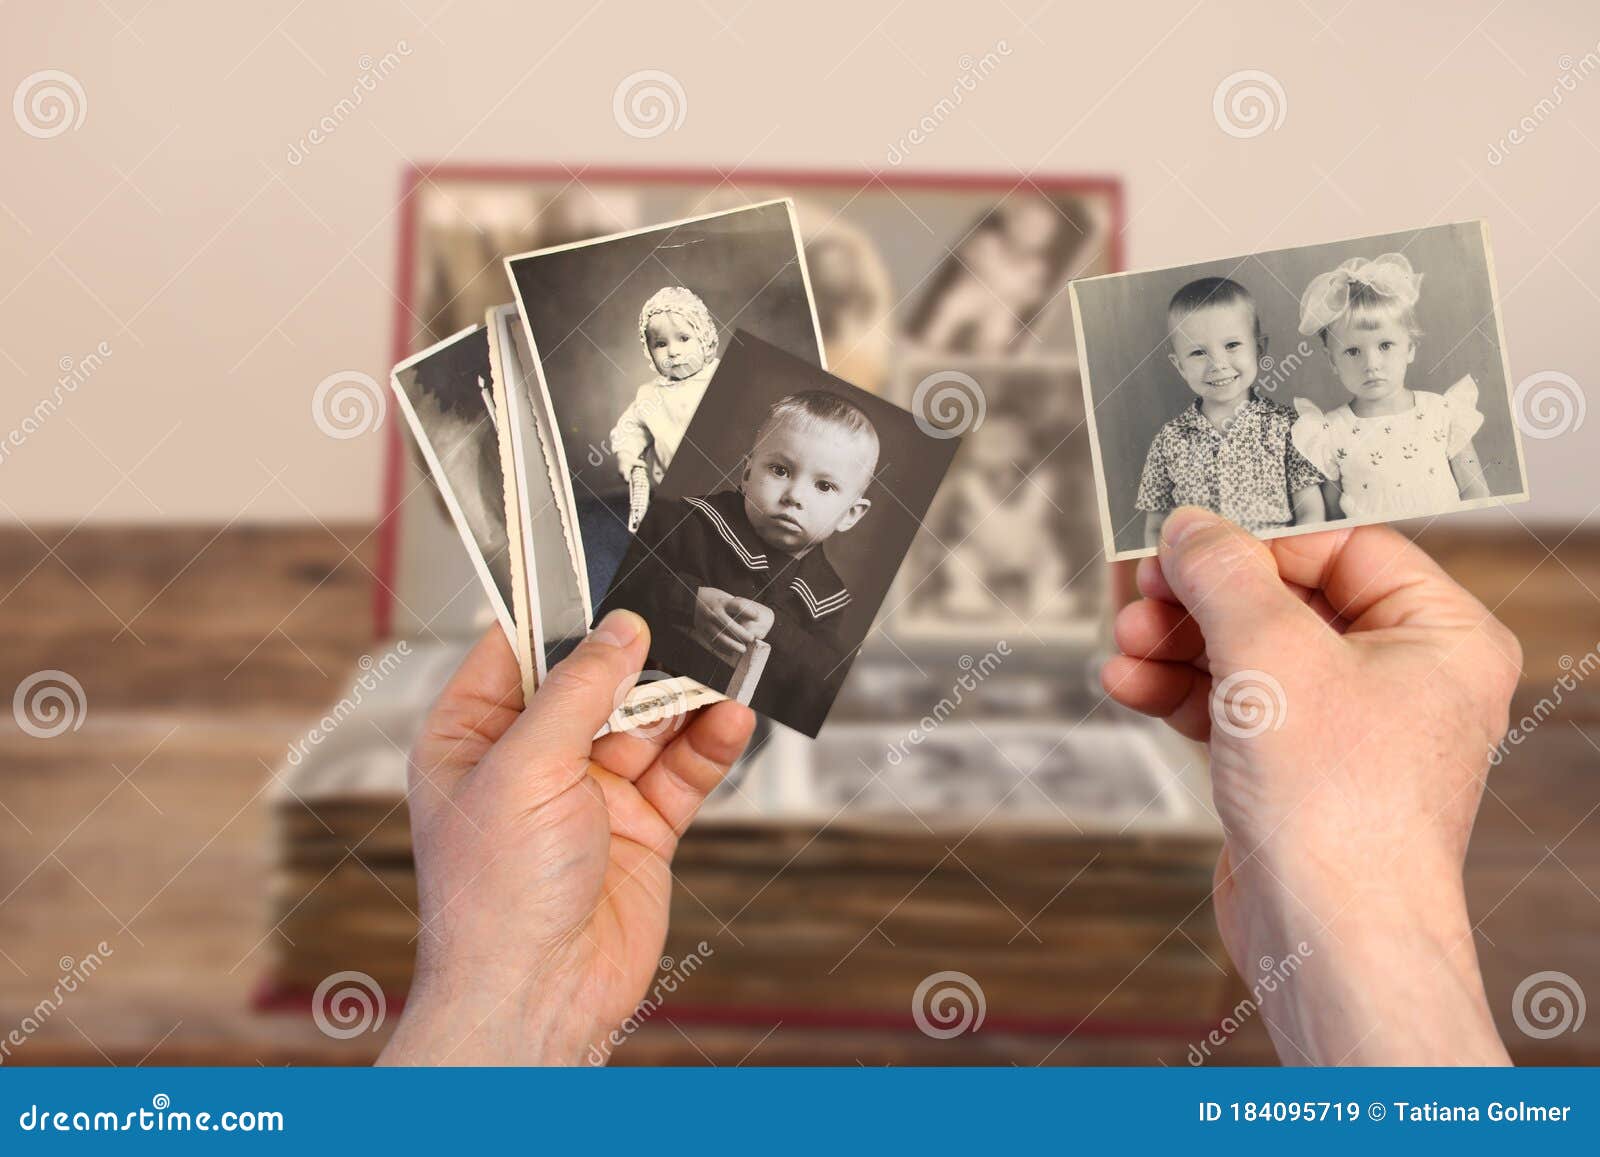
x,y
489,1021
1357,970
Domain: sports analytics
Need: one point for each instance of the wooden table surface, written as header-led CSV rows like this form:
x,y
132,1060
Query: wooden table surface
x,y
203,652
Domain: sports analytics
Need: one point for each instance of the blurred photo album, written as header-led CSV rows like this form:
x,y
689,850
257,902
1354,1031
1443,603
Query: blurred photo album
x,y
649,424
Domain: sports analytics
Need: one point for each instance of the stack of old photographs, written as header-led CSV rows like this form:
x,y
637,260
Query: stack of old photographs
x,y
650,423
737,423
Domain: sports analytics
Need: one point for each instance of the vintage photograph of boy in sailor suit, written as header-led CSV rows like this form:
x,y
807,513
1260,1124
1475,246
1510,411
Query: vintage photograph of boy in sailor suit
x,y
738,583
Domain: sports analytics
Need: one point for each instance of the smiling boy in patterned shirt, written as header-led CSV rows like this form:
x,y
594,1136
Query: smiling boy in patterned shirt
x,y
1229,451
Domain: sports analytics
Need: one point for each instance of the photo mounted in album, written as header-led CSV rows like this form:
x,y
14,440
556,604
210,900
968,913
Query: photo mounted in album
x,y
768,547
448,394
1011,547
1294,390
547,592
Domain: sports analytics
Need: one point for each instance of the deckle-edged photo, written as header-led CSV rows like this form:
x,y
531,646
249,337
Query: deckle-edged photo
x,y
1343,383
770,544
448,395
626,333
1011,547
547,595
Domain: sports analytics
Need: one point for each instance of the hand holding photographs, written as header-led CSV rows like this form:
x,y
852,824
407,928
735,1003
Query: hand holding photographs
x,y
724,524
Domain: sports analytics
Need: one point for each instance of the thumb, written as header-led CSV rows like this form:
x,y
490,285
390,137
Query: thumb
x,y
556,731
1229,583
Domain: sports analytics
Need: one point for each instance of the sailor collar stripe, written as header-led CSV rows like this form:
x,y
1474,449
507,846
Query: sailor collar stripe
x,y
819,608
720,525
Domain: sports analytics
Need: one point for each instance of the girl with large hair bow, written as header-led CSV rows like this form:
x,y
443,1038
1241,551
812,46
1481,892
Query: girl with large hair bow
x,y
1391,451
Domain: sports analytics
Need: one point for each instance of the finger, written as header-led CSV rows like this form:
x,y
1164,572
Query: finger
x,y
1149,629
1374,577
627,754
477,706
1175,692
1318,602
550,745
733,629
696,761
1229,581
1152,583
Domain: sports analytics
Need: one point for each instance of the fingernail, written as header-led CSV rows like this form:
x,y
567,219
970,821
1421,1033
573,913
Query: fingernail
x,y
1185,521
618,629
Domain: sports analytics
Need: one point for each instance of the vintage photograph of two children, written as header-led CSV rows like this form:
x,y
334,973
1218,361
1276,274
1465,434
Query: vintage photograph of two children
x,y
1335,384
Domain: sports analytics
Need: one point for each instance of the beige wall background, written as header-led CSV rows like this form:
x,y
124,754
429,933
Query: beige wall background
x,y
227,282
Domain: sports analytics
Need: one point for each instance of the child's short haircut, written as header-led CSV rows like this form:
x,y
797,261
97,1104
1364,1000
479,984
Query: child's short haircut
x,y
823,406
1208,293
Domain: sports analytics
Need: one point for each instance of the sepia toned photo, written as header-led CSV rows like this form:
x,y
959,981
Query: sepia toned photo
x,y
544,580
770,544
1338,384
626,333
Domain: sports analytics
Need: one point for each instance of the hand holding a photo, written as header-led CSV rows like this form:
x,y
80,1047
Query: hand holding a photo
x,y
544,855
1351,692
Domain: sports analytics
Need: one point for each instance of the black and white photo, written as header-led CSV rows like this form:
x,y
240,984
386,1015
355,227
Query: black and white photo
x,y
447,393
1344,383
547,595
1011,548
626,333
768,547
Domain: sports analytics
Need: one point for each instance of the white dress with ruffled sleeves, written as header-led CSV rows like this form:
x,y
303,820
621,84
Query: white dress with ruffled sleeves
x,y
1392,465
